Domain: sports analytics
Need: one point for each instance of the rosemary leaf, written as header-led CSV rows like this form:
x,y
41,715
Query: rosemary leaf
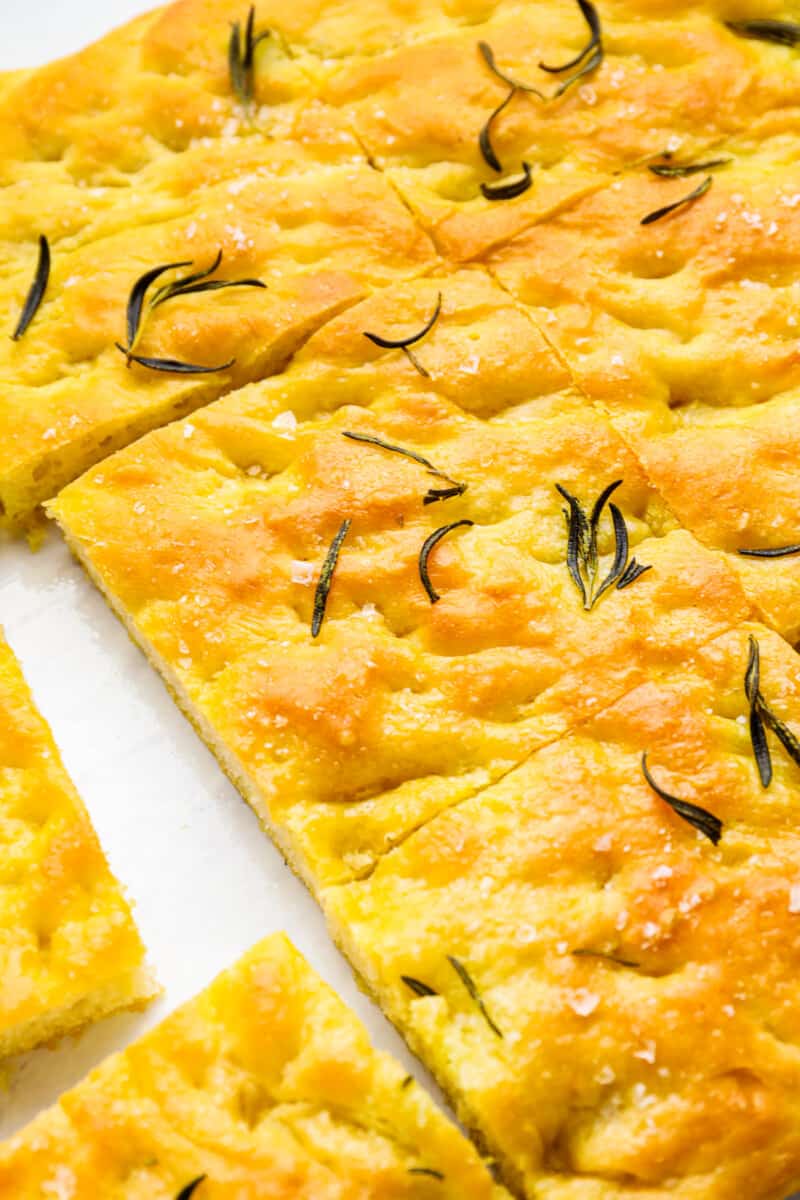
x,y
469,984
163,293
404,344
172,365
37,290
631,573
592,19
590,65
425,1171
584,952
241,58
485,135
702,820
188,1191
515,84
427,546
577,540
758,734
761,715
618,567
778,552
433,494
326,578
699,191
407,1082
510,188
781,33
417,986
137,296
682,171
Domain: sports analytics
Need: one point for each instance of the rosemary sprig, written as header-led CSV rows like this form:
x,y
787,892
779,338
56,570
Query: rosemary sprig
x,y
198,281
404,344
777,552
37,290
326,578
417,986
186,1192
427,546
702,820
485,136
433,494
508,189
582,556
684,170
425,1171
172,366
241,58
761,715
782,33
592,19
584,952
658,213
469,984
516,85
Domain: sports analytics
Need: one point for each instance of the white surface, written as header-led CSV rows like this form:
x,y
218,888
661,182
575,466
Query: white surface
x,y
205,880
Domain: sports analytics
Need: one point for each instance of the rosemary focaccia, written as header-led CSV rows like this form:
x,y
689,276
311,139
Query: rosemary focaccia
x,y
598,955
69,950
352,698
685,333
263,1085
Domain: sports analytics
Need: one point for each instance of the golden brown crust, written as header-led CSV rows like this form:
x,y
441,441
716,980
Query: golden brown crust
x,y
69,950
674,1068
268,1086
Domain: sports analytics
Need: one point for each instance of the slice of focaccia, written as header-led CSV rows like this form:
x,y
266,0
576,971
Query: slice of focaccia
x,y
69,950
263,1085
448,639
602,970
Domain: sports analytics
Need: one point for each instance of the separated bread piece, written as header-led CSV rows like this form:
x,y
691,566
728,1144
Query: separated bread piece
x,y
263,1085
446,637
602,972
69,950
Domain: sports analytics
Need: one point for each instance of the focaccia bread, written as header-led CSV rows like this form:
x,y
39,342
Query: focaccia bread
x,y
264,1085
69,949
628,1023
209,538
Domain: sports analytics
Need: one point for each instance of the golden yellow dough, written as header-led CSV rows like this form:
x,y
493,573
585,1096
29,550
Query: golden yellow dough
x,y
685,332
671,1067
69,950
208,538
266,1085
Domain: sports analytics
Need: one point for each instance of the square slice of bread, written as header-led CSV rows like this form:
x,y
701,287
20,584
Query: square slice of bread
x,y
69,949
264,1085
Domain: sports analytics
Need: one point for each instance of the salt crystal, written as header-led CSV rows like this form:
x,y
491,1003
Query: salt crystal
x,y
188,431
662,872
605,1076
285,421
301,572
583,1002
794,898
139,507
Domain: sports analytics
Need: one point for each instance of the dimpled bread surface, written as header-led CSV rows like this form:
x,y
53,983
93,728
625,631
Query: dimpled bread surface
x,y
264,1085
449,750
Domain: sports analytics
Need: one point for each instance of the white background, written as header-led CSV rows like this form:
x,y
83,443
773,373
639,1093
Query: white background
x,y
205,880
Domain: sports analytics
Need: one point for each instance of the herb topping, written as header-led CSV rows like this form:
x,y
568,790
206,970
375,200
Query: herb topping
x,y
761,715
241,58
404,343
658,213
433,494
709,825
469,984
326,578
188,1191
430,542
584,952
777,552
582,556
782,33
37,290
510,188
684,170
417,986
